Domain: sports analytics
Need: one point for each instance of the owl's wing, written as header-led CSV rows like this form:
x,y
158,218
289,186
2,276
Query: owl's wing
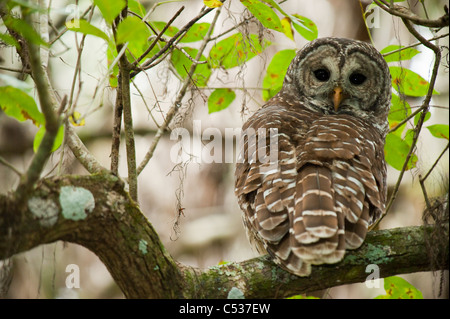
x,y
318,198
352,152
266,178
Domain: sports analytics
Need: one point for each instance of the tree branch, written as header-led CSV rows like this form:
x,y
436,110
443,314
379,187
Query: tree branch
x,y
112,226
176,105
405,13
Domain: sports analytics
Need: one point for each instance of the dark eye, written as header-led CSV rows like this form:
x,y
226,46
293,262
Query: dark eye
x,y
322,75
357,78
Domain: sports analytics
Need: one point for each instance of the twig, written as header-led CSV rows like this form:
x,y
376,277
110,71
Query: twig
x,y
51,121
14,70
423,178
125,68
148,64
405,13
117,119
435,163
9,165
77,73
89,162
413,114
415,44
425,105
145,102
158,37
177,104
60,34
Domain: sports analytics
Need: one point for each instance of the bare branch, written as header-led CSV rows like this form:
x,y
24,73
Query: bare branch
x,y
147,64
405,13
177,104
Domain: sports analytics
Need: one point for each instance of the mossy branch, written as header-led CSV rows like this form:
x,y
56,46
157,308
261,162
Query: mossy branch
x,y
112,226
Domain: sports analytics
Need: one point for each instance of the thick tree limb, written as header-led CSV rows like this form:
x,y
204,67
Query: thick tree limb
x,y
111,225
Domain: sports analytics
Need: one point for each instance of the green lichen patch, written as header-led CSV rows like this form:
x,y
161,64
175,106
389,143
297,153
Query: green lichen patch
x,y
378,254
76,202
143,247
45,210
235,293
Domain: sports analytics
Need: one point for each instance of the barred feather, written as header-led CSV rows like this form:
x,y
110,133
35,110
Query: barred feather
x,y
320,196
327,183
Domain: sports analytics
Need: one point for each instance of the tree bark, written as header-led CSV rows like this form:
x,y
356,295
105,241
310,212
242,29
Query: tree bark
x,y
96,212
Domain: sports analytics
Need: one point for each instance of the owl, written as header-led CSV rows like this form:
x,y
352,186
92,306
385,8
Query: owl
x,y
311,175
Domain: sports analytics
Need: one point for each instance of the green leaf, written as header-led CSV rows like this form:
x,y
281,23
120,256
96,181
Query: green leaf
x,y
405,54
9,40
264,14
399,288
235,50
40,135
110,9
212,3
273,80
86,28
170,32
25,30
19,105
418,115
395,151
182,64
400,110
439,130
408,82
196,33
136,7
111,54
220,99
287,28
132,29
305,27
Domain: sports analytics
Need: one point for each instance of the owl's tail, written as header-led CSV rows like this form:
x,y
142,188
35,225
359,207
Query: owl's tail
x,y
317,227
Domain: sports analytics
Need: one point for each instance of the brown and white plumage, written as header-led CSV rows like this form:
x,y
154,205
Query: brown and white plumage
x,y
311,176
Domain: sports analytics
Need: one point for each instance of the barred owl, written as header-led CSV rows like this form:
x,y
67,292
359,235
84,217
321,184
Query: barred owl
x,y
311,175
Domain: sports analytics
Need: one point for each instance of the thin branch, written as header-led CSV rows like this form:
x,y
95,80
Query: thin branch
x,y
415,44
148,63
435,163
125,68
15,70
425,106
177,104
117,118
51,121
423,178
64,30
77,73
158,37
413,114
89,161
10,166
406,14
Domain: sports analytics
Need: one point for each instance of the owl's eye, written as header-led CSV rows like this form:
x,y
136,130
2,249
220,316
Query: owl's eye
x,y
322,75
357,78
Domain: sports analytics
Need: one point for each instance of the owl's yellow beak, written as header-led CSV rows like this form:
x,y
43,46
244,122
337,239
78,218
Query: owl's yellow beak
x,y
337,97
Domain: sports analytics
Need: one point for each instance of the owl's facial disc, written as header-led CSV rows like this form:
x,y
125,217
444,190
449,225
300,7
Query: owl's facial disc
x,y
342,80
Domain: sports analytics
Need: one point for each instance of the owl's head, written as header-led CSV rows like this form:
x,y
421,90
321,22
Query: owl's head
x,y
342,76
